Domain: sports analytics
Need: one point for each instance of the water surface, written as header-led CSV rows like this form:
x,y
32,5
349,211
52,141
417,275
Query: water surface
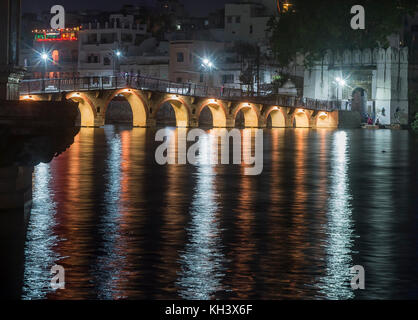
x,y
125,227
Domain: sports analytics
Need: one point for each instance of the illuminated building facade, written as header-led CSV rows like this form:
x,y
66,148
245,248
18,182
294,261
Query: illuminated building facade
x,y
59,47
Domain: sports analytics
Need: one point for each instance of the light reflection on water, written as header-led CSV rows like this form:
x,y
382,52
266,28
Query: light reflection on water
x,y
125,227
39,252
201,262
336,283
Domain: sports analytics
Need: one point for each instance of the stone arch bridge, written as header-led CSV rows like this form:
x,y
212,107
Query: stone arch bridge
x,y
146,96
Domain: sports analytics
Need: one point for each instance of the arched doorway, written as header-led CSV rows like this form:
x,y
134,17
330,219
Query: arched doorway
x,y
359,102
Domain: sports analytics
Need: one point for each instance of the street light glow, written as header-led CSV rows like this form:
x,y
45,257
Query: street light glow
x,y
118,53
340,81
44,56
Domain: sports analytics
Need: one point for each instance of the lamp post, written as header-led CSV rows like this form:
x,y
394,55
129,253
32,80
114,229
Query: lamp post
x,y
341,84
208,65
44,57
116,56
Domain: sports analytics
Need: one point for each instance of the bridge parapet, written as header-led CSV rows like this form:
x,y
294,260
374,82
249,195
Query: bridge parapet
x,y
44,86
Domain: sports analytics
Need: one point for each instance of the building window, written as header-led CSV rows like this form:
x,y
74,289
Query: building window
x,y
251,29
228,78
55,56
179,80
106,61
238,19
229,19
201,77
180,57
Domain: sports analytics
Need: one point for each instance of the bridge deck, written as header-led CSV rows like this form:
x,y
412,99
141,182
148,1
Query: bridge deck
x,y
43,86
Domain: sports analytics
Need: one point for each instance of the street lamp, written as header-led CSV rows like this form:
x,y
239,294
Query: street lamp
x,y
44,57
116,55
207,65
341,84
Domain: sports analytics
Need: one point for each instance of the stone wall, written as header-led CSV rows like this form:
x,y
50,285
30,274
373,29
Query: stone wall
x,y
349,119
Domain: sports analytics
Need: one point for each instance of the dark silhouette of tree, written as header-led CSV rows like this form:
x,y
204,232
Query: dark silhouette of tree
x,y
313,27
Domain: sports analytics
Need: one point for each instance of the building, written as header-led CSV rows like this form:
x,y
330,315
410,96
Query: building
x,y
194,61
103,47
53,54
153,63
247,22
373,82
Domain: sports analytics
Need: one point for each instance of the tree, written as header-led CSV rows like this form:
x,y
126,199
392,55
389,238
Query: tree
x,y
311,28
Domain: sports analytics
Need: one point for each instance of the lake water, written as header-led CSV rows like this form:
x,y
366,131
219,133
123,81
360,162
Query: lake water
x,y
124,227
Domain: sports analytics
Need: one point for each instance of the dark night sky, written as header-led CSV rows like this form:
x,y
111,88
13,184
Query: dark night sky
x,y
194,7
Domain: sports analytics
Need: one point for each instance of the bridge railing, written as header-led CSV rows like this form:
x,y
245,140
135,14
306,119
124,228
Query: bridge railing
x,y
40,86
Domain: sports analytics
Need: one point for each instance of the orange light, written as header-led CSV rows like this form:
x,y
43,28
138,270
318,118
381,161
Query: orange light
x,y
323,115
27,98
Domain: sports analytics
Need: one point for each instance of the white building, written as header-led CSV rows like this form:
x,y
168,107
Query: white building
x,y
247,21
99,45
374,82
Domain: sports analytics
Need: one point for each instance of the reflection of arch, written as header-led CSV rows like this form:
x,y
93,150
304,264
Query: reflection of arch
x,y
278,119
301,119
250,114
181,110
86,107
218,113
138,106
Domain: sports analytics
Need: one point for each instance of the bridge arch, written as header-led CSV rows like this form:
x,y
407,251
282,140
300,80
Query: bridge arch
x,y
137,103
86,107
181,110
278,118
301,118
217,110
323,120
250,112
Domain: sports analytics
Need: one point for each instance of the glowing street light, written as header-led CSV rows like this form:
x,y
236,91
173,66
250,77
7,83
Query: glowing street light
x,y
341,83
44,56
207,63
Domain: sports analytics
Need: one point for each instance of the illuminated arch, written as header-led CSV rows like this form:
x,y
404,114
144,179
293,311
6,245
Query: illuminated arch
x,y
181,110
250,114
138,106
301,119
323,120
86,107
278,119
218,112
30,97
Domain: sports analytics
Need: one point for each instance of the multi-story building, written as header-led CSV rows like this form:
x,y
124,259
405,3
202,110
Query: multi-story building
x,y
103,47
54,54
247,22
153,63
194,61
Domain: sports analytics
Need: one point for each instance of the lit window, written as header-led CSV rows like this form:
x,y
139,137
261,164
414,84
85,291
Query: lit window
x,y
55,56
